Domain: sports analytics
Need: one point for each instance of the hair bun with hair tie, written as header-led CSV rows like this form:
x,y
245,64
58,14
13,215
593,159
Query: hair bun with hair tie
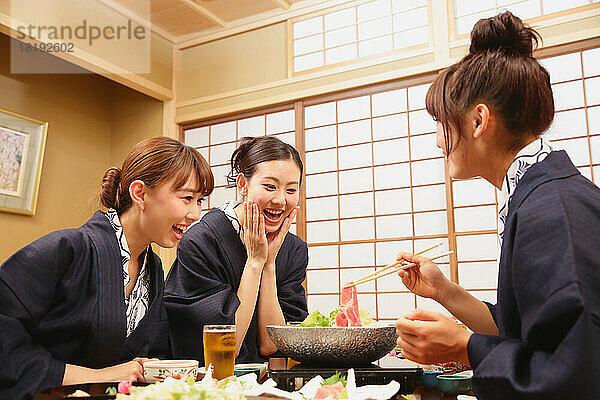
x,y
109,191
503,32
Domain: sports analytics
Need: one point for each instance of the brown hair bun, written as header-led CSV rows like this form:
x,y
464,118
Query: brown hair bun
x,y
503,32
109,187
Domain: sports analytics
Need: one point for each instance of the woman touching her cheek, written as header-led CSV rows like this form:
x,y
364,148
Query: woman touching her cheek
x,y
240,265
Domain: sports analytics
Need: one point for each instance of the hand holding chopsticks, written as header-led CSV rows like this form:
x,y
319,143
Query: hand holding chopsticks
x,y
396,267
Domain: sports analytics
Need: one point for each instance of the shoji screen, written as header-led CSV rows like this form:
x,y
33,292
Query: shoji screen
x,y
468,12
576,129
362,30
374,186
475,204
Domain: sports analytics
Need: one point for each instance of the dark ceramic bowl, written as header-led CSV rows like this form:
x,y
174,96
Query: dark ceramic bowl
x,y
451,385
429,378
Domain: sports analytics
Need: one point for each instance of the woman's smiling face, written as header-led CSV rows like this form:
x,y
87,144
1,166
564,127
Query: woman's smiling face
x,y
170,211
274,187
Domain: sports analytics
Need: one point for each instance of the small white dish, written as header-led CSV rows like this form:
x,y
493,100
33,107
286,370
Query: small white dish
x,y
157,371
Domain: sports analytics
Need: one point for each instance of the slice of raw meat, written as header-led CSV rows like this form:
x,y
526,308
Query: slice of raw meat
x,y
329,391
348,314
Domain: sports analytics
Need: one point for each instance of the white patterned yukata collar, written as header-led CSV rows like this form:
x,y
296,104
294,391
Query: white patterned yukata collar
x,y
529,155
228,209
139,299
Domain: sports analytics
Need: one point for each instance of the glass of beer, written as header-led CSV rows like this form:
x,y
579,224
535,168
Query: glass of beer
x,y
219,349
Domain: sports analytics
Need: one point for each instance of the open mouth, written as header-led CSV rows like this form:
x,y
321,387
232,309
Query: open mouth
x,y
179,229
272,215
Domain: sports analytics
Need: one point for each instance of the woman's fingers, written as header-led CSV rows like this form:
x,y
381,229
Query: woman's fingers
x,y
291,217
129,371
139,360
257,220
412,258
252,226
408,277
416,323
293,214
139,372
261,226
405,326
142,360
411,356
407,345
422,315
133,371
287,223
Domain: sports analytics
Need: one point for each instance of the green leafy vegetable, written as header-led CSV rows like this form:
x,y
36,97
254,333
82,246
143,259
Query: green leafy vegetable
x,y
333,379
332,316
315,318
365,318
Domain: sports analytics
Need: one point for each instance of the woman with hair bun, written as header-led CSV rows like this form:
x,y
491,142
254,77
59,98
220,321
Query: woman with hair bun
x,y
239,265
86,304
541,339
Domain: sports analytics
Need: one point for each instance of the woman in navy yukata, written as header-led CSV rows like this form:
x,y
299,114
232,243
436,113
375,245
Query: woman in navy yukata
x,y
239,265
542,338
86,304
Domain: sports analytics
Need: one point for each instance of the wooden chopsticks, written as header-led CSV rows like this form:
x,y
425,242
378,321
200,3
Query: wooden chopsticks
x,y
392,265
398,265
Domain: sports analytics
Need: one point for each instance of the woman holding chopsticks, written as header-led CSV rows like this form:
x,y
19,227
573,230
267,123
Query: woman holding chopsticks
x,y
541,339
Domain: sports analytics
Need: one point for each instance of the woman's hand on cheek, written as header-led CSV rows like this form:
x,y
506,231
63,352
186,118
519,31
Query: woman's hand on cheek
x,y
428,337
254,236
276,238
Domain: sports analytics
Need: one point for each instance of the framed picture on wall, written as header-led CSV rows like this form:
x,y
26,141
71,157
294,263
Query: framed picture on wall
x,y
22,143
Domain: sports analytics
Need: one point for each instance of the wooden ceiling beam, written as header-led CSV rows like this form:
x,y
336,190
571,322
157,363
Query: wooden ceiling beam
x,y
205,12
285,4
143,21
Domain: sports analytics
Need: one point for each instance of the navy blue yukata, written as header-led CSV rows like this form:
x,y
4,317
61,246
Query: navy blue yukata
x,y
202,284
548,309
62,302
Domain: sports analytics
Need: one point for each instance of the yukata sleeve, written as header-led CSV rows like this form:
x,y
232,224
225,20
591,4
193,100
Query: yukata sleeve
x,y
27,288
492,308
557,353
290,292
196,293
